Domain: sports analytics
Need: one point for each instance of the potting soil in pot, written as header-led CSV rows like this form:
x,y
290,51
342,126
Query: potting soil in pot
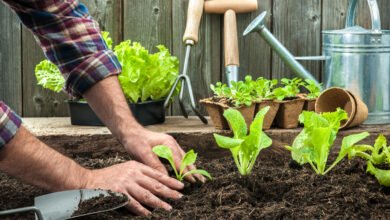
x,y
276,189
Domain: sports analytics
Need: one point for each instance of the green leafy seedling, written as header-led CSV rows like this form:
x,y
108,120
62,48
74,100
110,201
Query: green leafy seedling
x,y
220,89
241,93
49,76
377,155
188,159
313,88
314,142
245,148
263,88
146,76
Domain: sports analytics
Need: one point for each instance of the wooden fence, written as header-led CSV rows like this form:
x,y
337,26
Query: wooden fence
x,y
296,23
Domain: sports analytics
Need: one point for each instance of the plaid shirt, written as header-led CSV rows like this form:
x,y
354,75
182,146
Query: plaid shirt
x,y
71,39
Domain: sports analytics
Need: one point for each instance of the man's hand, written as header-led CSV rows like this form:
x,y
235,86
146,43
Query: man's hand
x,y
140,183
107,100
140,146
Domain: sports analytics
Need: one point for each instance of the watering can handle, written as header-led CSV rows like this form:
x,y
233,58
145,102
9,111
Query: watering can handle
x,y
375,15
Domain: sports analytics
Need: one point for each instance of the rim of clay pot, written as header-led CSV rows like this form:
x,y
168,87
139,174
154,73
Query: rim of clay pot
x,y
361,114
334,98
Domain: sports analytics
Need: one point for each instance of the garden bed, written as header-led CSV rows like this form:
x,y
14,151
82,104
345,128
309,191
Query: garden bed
x,y
276,188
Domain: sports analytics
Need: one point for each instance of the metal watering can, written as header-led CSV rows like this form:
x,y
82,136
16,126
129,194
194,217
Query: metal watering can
x,y
355,58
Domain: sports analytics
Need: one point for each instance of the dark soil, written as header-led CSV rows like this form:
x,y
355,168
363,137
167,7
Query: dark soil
x,y
100,203
277,189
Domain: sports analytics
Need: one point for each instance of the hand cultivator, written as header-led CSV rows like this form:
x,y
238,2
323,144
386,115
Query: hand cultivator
x,y
195,11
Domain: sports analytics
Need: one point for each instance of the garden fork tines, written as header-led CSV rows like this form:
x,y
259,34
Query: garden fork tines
x,y
190,38
186,82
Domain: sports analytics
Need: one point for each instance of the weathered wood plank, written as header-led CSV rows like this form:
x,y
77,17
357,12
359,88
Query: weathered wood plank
x,y
297,24
148,22
334,14
255,54
205,59
108,13
38,102
10,59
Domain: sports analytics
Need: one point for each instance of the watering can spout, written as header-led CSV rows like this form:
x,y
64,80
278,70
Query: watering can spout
x,y
258,26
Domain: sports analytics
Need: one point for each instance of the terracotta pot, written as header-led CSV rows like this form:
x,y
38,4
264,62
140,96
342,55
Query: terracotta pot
x,y
271,114
215,111
288,114
334,98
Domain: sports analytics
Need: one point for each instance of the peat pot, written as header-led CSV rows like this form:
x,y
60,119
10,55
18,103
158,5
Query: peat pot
x,y
146,113
355,58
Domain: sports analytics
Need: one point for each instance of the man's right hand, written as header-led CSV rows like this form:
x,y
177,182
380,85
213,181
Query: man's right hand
x,y
142,184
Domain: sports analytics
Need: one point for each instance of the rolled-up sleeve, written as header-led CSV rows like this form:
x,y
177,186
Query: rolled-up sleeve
x,y
9,124
71,39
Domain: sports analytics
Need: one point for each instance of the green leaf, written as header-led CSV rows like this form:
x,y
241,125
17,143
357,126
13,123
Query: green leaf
x,y
379,152
146,76
236,122
383,176
321,138
227,142
166,153
202,172
347,145
188,159
107,39
49,76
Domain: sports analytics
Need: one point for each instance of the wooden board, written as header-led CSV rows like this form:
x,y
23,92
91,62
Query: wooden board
x,y
297,25
10,59
205,59
335,12
148,22
38,102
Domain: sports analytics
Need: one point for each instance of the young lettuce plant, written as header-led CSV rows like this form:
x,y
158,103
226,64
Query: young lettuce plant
x,y
263,89
376,156
146,76
315,141
49,76
313,88
188,159
290,89
220,90
241,93
245,148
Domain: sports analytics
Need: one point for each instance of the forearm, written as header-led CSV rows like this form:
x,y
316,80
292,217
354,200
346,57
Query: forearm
x,y
108,102
30,160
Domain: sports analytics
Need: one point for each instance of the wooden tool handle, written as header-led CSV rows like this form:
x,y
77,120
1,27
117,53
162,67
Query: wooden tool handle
x,y
221,6
231,39
194,16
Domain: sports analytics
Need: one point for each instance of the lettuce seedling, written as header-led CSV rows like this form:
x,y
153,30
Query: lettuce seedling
x,y
290,89
220,90
49,76
146,76
241,94
263,89
188,159
377,155
107,39
314,142
313,88
244,148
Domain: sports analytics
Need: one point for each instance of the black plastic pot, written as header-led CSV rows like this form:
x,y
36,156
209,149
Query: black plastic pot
x,y
149,112
82,114
146,113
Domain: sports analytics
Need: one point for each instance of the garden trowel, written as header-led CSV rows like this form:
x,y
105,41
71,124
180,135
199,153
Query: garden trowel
x,y
190,38
65,205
